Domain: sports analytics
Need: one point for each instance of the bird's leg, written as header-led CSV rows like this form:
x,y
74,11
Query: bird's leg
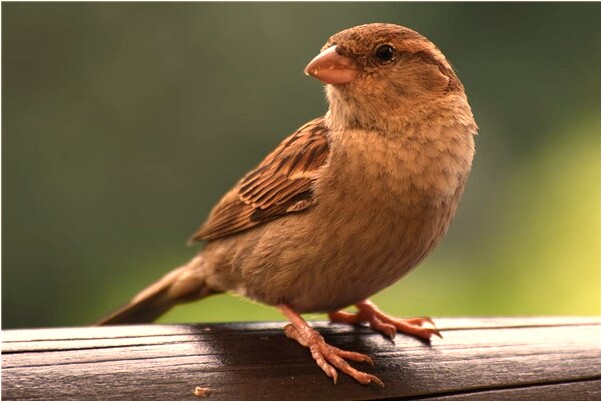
x,y
379,321
328,358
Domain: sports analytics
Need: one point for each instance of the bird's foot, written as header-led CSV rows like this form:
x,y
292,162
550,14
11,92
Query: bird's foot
x,y
327,357
421,327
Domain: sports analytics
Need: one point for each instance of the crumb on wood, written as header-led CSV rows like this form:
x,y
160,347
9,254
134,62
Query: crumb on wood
x,y
201,391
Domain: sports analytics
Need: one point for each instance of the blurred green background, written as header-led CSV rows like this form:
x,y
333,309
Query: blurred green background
x,y
124,123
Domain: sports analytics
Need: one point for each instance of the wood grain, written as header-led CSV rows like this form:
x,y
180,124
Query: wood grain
x,y
479,358
571,391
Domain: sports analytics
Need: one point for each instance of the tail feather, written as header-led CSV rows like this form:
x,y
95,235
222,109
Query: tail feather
x,y
142,312
183,284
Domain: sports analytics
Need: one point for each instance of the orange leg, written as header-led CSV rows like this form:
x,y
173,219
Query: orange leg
x,y
379,321
328,358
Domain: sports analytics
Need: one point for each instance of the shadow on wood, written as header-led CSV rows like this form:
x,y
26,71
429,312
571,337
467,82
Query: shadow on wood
x,y
479,359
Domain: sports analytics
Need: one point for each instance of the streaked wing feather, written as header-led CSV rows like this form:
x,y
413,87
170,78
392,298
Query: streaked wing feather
x,y
281,184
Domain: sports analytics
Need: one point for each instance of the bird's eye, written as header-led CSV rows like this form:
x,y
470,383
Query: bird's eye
x,y
385,53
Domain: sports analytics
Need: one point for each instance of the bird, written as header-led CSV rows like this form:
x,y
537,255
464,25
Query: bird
x,y
346,205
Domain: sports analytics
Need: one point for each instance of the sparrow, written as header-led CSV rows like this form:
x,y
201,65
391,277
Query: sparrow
x,y
346,205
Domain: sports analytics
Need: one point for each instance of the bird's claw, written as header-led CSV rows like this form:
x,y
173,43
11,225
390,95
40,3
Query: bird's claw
x,y
421,327
330,358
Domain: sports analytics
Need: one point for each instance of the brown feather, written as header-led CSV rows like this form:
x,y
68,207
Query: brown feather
x,y
281,184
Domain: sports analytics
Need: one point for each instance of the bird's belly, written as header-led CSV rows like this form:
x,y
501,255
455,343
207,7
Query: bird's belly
x,y
370,261
342,260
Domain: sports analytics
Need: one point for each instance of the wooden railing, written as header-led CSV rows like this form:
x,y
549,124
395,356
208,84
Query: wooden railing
x,y
543,358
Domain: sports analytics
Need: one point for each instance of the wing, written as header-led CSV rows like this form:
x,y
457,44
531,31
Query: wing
x,y
281,184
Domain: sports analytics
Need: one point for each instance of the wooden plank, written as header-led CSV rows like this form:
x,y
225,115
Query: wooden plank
x,y
22,339
571,391
256,361
158,330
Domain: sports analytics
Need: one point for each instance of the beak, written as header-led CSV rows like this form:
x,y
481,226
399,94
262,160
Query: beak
x,y
332,68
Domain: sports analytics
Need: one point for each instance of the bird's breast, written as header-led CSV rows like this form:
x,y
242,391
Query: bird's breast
x,y
375,174
383,206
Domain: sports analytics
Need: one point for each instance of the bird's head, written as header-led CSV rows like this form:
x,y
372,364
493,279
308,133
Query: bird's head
x,y
377,74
